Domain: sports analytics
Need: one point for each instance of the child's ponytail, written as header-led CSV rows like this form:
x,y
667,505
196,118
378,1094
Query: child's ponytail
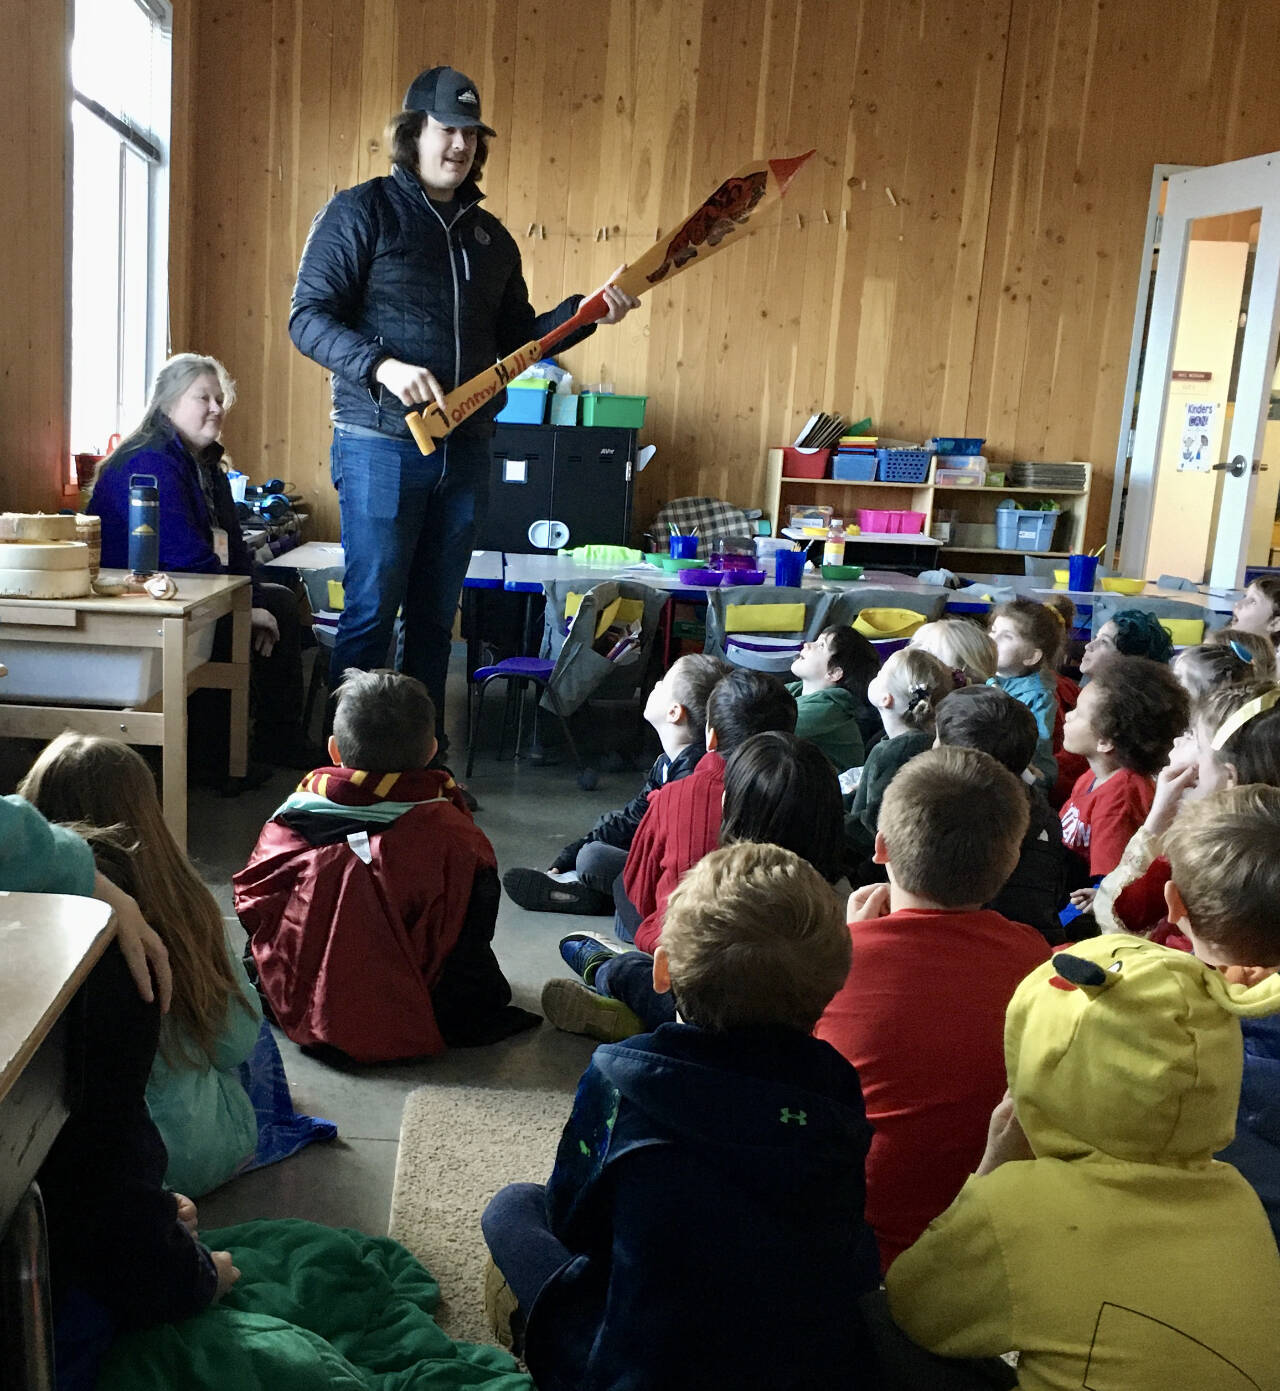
x,y
918,680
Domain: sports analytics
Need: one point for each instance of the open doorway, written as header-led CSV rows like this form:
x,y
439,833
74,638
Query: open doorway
x,y
1197,472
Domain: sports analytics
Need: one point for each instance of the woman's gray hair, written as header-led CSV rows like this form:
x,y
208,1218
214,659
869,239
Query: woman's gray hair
x,y
172,380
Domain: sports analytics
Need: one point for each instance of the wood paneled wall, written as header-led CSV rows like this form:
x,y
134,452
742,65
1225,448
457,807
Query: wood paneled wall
x,y
34,243
990,291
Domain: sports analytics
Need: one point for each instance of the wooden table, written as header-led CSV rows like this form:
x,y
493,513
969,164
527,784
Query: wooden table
x,y
48,945
135,622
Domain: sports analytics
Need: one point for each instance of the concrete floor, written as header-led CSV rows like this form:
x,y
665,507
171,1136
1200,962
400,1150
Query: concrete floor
x,y
528,813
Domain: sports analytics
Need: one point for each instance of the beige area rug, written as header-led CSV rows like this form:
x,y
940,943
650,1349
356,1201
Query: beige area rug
x,y
458,1146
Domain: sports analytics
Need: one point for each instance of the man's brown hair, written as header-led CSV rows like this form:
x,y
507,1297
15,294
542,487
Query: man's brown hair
x,y
1222,854
754,935
953,821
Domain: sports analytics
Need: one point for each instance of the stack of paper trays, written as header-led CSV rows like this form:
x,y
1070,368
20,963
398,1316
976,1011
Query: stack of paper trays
x,y
1052,477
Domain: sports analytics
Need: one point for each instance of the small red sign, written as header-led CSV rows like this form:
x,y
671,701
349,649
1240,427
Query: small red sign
x,y
1192,376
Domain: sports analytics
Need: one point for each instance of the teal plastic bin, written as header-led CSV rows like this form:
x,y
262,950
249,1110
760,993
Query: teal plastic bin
x,y
564,408
526,404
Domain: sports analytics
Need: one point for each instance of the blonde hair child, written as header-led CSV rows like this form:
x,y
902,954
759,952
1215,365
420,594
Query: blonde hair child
x,y
105,789
964,646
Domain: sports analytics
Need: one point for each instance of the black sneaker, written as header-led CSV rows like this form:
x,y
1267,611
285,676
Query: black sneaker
x,y
540,893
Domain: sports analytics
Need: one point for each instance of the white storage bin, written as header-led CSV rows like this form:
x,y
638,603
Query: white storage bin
x,y
56,673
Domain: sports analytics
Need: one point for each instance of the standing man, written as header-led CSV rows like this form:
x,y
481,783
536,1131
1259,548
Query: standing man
x,y
406,289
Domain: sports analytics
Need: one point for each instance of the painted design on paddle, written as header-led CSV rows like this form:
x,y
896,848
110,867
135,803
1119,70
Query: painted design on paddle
x,y
728,207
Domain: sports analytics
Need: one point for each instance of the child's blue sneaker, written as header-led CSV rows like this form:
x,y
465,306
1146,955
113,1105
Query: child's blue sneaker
x,y
585,952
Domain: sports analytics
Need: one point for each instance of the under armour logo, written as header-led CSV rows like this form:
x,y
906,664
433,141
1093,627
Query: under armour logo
x,y
470,97
789,1115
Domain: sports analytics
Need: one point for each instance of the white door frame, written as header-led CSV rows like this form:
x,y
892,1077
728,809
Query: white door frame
x,y
1200,193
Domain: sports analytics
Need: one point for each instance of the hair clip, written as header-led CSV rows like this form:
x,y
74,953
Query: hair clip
x,y
1259,705
959,677
1240,650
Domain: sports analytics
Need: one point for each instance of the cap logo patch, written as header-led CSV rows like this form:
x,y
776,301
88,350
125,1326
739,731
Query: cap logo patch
x,y
468,96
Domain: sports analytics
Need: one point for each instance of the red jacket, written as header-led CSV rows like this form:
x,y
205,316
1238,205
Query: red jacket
x,y
921,1017
680,826
350,934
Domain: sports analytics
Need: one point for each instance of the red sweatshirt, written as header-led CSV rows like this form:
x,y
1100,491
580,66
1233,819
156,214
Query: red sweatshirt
x,y
679,827
1100,818
921,1017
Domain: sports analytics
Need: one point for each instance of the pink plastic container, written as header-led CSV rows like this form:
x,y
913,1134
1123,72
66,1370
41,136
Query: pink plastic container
x,y
875,519
907,521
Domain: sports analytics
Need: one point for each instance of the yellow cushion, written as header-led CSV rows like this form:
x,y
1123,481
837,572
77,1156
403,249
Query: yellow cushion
x,y
888,623
764,618
337,595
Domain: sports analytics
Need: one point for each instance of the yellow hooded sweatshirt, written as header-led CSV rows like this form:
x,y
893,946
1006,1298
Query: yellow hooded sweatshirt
x,y
1124,1257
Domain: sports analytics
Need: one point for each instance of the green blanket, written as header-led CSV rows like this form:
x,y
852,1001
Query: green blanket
x,y
314,1307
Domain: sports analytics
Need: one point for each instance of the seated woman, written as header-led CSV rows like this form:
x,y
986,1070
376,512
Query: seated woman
x,y
177,442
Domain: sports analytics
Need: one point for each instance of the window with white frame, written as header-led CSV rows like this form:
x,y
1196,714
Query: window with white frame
x,y
120,66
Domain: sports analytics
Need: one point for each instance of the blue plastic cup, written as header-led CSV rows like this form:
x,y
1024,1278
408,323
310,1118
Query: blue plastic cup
x,y
788,569
1082,571
684,547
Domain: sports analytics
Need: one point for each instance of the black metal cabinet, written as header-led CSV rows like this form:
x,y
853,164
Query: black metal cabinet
x,y
557,486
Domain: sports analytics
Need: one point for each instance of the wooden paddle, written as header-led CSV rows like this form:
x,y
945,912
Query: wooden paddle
x,y
722,218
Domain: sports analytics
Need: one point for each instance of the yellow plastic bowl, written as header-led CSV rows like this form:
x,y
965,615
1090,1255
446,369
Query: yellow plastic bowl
x,y
888,623
1122,586
1060,578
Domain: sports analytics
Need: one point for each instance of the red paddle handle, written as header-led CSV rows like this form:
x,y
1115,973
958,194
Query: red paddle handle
x,y
590,311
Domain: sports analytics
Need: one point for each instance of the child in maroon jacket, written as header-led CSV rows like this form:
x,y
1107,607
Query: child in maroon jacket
x,y
921,1015
371,897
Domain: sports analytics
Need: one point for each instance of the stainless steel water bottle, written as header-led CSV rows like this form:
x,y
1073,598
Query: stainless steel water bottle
x,y
144,524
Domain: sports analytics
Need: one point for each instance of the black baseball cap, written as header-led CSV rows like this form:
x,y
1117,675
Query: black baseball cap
x,y
448,95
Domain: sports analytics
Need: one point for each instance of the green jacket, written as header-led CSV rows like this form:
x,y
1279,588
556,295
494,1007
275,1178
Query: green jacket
x,y
204,1113
829,719
39,858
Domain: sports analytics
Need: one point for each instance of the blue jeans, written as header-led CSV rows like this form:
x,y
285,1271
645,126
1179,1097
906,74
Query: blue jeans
x,y
517,1231
408,523
629,978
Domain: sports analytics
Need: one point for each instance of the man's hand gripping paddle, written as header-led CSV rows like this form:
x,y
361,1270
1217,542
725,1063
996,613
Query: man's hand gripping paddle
x,y
726,215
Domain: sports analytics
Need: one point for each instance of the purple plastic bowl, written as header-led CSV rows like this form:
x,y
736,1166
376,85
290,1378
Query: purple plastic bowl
x,y
744,576
708,579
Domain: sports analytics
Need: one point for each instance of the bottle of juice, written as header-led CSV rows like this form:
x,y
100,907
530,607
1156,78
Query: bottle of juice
x,y
833,550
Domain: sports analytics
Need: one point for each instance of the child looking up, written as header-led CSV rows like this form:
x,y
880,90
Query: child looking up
x,y
906,691
682,821
932,973
779,789
677,710
371,896
704,1163
962,645
1116,1253
1027,636
1222,898
1124,724
194,1091
987,718
1235,739
1131,633
831,694
1258,610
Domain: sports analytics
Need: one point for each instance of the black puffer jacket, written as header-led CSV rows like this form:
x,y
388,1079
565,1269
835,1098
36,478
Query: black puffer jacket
x,y
383,275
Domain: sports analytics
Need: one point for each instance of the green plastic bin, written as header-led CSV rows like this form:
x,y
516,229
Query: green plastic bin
x,y
624,411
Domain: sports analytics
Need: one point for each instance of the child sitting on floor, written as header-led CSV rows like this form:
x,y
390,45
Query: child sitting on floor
x,y
987,718
1222,898
371,896
1116,1253
703,1224
677,710
1028,637
682,821
932,973
906,691
1228,657
779,789
1258,610
196,1092
962,645
1124,725
1235,739
831,694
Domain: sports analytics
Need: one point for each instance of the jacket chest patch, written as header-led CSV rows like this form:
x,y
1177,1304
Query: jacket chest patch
x,y
482,237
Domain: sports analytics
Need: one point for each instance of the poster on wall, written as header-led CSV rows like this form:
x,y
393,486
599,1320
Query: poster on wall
x,y
1196,455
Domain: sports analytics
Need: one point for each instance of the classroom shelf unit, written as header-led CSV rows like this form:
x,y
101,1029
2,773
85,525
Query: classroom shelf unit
x,y
970,511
